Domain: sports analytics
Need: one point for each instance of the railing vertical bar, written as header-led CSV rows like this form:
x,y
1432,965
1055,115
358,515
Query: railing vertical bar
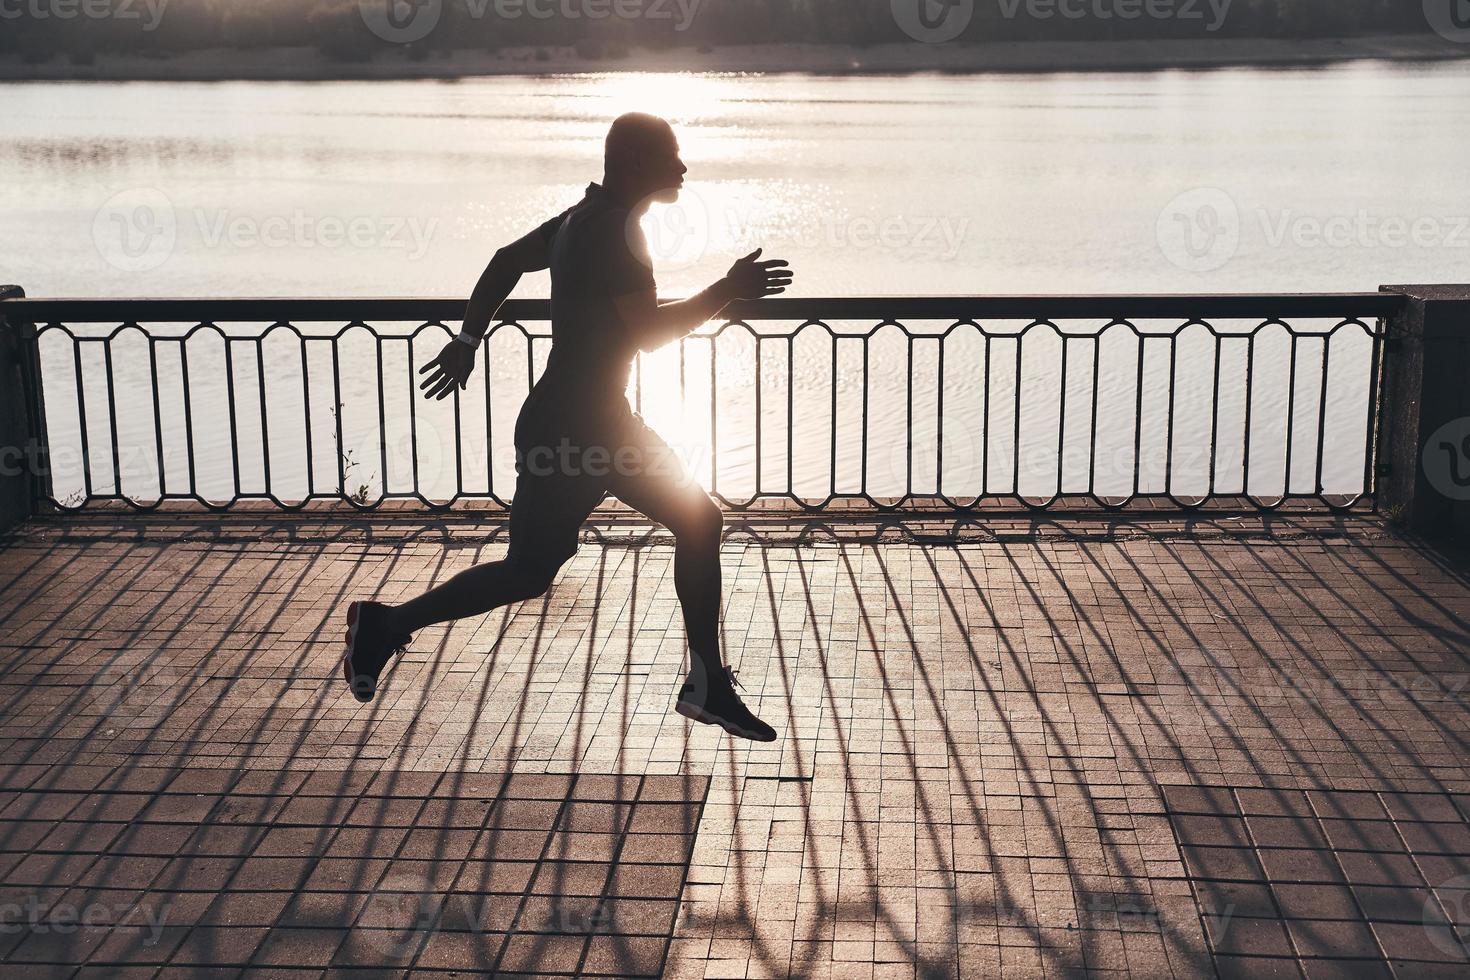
x,y
790,414
908,384
1375,415
188,417
1322,410
112,416
230,400
863,473
1250,398
1092,420
306,402
382,386
265,432
939,423
1215,412
1062,419
413,425
985,423
1138,415
1173,410
759,418
1290,413
157,412
337,414
458,434
832,463
1016,423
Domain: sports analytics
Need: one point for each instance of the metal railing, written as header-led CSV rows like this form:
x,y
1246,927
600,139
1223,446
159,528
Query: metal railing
x,y
1062,403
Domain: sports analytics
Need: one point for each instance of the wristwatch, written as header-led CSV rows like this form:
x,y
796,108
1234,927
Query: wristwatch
x,y
469,340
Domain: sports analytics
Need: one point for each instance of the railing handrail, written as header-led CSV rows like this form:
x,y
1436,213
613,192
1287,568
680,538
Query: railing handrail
x,y
1016,307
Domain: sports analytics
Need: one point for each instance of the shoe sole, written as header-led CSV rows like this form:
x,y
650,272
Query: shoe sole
x,y
354,616
696,713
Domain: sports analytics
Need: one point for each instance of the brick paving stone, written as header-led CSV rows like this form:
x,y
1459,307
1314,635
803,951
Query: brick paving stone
x,y
561,914
246,909
1420,943
137,944
571,878
1291,831
1396,904
550,953
1235,898
1335,969
1362,835
1307,866
1256,968
1222,863
473,912
623,956
1052,750
1336,939
1315,901
297,947
1380,869
1347,806
473,952
495,876
1273,802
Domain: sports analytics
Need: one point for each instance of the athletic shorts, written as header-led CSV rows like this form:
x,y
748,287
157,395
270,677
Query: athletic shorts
x,y
567,463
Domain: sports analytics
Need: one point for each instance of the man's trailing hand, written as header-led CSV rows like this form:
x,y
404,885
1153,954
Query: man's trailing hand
x,y
448,372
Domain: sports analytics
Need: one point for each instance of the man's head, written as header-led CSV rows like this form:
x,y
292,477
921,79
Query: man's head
x,y
642,159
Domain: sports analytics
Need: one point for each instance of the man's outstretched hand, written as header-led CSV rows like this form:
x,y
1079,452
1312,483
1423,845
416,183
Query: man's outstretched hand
x,y
750,278
449,371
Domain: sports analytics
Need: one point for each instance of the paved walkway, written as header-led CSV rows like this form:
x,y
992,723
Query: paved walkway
x,y
1048,752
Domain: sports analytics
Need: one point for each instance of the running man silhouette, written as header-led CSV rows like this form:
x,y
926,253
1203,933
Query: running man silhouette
x,y
577,438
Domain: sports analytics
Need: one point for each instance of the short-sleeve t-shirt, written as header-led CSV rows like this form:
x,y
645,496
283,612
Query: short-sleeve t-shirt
x,y
597,255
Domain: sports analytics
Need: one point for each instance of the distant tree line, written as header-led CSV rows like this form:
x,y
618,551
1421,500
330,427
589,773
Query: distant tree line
x,y
40,29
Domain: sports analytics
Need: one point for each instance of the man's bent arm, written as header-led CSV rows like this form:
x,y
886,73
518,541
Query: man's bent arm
x,y
658,323
499,280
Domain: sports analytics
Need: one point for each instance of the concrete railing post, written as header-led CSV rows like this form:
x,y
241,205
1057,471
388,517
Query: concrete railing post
x,y
23,470
1426,413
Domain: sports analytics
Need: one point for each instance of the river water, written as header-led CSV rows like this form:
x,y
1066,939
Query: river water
x,y
1279,180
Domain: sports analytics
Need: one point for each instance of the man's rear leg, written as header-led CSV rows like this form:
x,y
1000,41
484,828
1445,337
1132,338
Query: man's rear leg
x,y
377,632
474,592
